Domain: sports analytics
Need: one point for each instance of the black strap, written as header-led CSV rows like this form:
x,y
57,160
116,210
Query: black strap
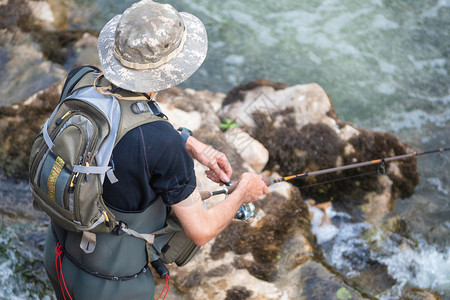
x,y
139,107
154,107
96,274
73,77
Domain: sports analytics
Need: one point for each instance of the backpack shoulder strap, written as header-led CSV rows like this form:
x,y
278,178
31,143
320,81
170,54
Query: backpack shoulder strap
x,y
74,77
137,113
136,109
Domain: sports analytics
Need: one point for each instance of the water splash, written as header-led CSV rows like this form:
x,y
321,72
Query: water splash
x,y
351,247
423,266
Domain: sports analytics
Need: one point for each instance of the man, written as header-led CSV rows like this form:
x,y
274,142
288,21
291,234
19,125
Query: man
x,y
149,48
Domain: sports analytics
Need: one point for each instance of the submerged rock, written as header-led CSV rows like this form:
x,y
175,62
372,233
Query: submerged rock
x,y
317,282
419,294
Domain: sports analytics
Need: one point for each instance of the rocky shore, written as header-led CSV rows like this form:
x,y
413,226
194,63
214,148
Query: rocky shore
x,y
282,130
263,127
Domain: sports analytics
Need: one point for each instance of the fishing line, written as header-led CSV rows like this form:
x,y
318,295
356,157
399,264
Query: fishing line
x,y
338,179
444,158
377,172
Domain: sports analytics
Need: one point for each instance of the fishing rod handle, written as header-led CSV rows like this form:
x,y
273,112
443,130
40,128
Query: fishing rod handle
x,y
229,189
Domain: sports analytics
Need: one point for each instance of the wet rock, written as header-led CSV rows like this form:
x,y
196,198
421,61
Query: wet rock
x,y
419,294
375,145
255,253
378,204
205,278
314,281
16,203
284,220
24,69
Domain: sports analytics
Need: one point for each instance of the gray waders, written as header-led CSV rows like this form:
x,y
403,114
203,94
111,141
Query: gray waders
x,y
120,256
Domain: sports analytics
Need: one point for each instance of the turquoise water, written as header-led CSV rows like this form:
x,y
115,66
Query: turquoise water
x,y
375,58
385,65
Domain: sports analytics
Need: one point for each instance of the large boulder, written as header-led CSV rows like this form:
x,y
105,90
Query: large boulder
x,y
302,133
36,51
305,104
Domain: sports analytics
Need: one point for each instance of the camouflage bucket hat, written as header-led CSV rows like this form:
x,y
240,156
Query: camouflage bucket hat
x,y
151,47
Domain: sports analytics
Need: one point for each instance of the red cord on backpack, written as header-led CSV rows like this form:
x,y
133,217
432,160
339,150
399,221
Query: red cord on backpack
x,y
168,287
59,252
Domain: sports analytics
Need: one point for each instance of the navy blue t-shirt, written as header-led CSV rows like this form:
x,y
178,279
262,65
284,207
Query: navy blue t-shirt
x,y
150,160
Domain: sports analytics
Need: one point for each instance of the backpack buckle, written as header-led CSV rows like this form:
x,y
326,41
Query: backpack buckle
x,y
151,106
118,229
138,108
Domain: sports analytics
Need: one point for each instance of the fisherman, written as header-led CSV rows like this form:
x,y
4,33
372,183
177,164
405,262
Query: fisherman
x,y
149,48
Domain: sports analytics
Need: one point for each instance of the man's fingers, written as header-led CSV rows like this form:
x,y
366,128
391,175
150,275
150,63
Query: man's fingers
x,y
212,175
225,167
216,174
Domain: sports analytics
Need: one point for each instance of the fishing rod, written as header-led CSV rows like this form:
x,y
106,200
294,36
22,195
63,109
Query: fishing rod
x,y
228,190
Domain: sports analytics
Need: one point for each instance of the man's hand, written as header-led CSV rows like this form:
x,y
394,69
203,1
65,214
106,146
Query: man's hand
x,y
250,187
219,167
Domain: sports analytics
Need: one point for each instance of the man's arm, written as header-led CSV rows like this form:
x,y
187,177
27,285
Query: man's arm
x,y
219,167
201,225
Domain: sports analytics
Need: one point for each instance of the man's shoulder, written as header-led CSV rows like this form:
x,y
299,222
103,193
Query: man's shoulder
x,y
158,131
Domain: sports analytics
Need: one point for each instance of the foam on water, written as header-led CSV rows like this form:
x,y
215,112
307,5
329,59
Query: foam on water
x,y
423,266
441,187
403,120
322,229
347,248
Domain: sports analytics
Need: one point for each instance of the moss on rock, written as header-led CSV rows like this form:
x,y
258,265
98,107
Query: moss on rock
x,y
15,12
296,150
371,145
238,293
315,147
236,94
19,125
264,241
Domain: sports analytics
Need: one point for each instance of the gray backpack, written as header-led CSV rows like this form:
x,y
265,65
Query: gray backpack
x,y
70,157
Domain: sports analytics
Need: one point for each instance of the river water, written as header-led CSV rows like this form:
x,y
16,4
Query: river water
x,y
385,65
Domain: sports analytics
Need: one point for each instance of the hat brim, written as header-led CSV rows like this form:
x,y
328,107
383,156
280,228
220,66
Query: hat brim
x,y
167,75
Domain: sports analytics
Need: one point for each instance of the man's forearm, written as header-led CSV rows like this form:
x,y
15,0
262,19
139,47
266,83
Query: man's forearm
x,y
200,224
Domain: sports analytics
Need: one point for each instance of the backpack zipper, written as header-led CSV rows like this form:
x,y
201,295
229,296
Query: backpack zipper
x,y
58,121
